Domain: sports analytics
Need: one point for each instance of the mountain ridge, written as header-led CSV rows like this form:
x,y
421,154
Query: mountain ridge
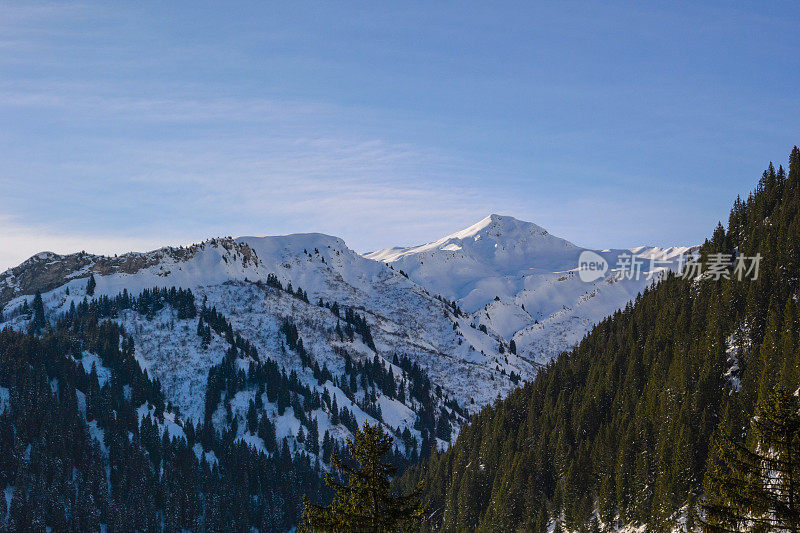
x,y
348,339
519,281
511,277
237,276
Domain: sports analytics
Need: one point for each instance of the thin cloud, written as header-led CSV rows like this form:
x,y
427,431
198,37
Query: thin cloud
x,y
79,98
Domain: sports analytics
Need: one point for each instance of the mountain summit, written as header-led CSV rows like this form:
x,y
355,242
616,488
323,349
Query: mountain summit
x,y
497,242
519,281
413,338
497,250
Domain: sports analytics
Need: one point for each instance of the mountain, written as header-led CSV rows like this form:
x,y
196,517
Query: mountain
x,y
452,307
272,350
522,283
619,433
258,284
283,345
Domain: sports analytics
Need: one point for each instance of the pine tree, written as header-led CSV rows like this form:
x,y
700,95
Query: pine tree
x,y
252,418
364,501
334,411
756,484
91,285
38,322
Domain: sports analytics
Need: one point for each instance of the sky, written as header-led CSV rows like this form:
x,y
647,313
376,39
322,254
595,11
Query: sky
x,y
133,125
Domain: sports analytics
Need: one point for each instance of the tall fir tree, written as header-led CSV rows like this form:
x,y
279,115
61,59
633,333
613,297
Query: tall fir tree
x,y
38,321
755,484
91,285
364,501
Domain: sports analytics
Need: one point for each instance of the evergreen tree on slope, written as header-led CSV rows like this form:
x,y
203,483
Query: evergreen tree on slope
x,y
755,485
364,501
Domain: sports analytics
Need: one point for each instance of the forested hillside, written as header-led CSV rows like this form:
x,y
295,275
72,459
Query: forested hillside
x,y
622,424
87,440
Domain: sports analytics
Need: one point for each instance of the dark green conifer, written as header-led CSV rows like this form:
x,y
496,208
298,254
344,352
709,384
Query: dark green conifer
x,y
91,285
364,502
38,322
755,484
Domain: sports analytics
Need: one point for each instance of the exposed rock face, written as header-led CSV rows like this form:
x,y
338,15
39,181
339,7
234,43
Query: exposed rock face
x,y
46,271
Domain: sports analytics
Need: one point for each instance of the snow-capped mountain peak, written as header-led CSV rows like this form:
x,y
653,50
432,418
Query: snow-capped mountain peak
x,y
476,310
496,238
521,282
481,262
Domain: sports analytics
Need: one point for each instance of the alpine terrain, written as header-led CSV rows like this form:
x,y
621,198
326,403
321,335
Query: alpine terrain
x,y
676,412
522,284
276,349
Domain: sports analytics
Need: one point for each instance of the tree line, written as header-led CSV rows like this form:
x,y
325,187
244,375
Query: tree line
x,y
629,423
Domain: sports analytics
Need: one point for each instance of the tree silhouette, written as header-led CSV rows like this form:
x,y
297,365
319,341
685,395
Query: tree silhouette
x,y
364,502
91,285
38,322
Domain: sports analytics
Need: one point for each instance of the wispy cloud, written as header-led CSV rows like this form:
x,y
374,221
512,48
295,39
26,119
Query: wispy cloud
x,y
174,104
138,125
292,170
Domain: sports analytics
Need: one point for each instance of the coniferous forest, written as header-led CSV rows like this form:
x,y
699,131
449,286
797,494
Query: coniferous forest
x,y
637,421
381,267
669,414
79,454
88,441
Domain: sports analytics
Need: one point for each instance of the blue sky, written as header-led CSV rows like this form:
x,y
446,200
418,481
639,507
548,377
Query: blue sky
x,y
133,125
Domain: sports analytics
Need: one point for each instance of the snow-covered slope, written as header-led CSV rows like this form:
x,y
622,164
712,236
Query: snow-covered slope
x,y
523,283
465,365
451,307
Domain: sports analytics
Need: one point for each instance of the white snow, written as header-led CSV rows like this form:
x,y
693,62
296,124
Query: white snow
x,y
103,372
210,456
521,282
512,278
8,494
169,423
735,344
5,399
